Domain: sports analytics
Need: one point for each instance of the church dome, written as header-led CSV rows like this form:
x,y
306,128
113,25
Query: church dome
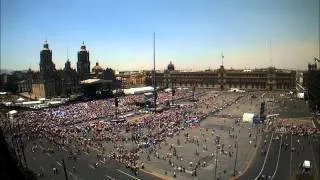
x,y
83,47
170,66
97,67
45,45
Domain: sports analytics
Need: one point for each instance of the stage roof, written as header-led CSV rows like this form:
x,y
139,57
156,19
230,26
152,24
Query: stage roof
x,y
95,81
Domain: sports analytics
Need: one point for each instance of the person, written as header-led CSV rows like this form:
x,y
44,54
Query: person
x,y
41,171
55,170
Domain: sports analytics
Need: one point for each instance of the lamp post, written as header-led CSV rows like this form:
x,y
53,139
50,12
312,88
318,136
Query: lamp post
x,y
173,92
193,89
236,159
21,144
216,164
64,169
154,74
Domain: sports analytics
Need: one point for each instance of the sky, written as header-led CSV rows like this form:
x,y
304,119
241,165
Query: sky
x,y
192,34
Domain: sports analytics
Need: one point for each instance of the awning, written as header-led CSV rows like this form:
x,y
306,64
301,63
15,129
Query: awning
x,y
95,81
20,99
12,112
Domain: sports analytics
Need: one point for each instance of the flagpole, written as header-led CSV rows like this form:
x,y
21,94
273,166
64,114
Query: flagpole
x,y
222,57
154,72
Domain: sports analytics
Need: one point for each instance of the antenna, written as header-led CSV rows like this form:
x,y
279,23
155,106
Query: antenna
x,y
222,58
67,54
270,56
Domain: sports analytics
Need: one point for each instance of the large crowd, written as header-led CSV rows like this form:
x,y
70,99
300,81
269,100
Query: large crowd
x,y
87,125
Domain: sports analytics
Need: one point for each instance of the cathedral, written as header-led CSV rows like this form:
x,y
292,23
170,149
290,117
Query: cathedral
x,y
66,81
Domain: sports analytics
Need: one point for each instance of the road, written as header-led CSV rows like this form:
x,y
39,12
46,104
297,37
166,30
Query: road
x,y
84,165
280,162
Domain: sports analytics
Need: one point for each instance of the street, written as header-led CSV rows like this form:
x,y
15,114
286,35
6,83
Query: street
x,y
84,164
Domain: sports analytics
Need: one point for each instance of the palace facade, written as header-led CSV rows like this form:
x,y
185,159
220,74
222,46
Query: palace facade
x,y
223,79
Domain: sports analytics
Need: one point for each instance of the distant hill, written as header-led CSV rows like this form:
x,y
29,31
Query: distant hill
x,y
9,71
6,71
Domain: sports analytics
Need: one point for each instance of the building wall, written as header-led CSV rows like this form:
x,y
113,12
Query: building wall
x,y
264,79
83,65
313,86
38,89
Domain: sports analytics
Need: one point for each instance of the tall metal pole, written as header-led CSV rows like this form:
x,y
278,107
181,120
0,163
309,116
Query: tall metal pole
x,y
235,161
154,73
215,167
64,169
255,145
270,53
17,147
222,56
21,145
173,92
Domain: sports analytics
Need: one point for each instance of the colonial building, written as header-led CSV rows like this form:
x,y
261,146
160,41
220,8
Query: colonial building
x,y
46,85
312,83
68,80
97,72
132,78
83,64
50,82
47,67
256,79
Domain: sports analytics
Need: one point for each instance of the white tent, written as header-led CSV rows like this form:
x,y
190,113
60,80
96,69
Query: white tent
x,y
247,117
168,90
306,164
300,95
20,99
12,112
139,90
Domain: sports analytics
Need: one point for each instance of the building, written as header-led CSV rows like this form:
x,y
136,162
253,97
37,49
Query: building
x,y
67,81
97,72
312,83
51,82
18,81
47,67
83,64
131,79
48,75
222,79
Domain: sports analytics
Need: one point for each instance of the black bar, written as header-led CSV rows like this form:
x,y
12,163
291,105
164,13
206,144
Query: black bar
x,y
64,169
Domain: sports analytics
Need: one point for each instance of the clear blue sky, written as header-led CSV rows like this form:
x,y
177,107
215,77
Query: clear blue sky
x,y
189,33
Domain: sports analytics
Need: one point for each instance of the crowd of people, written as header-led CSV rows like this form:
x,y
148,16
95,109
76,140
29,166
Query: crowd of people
x,y
87,125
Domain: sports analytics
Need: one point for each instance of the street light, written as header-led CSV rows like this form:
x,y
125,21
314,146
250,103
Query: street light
x,y
21,145
235,161
215,167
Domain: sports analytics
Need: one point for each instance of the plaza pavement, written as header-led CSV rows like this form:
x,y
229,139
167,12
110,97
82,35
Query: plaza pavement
x,y
206,134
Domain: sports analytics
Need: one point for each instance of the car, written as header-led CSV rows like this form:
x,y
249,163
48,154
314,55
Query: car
x,y
262,177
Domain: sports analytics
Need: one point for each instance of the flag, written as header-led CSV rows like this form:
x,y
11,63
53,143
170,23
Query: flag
x,y
222,55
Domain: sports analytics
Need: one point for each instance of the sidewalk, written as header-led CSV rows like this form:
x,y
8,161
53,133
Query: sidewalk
x,y
249,159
